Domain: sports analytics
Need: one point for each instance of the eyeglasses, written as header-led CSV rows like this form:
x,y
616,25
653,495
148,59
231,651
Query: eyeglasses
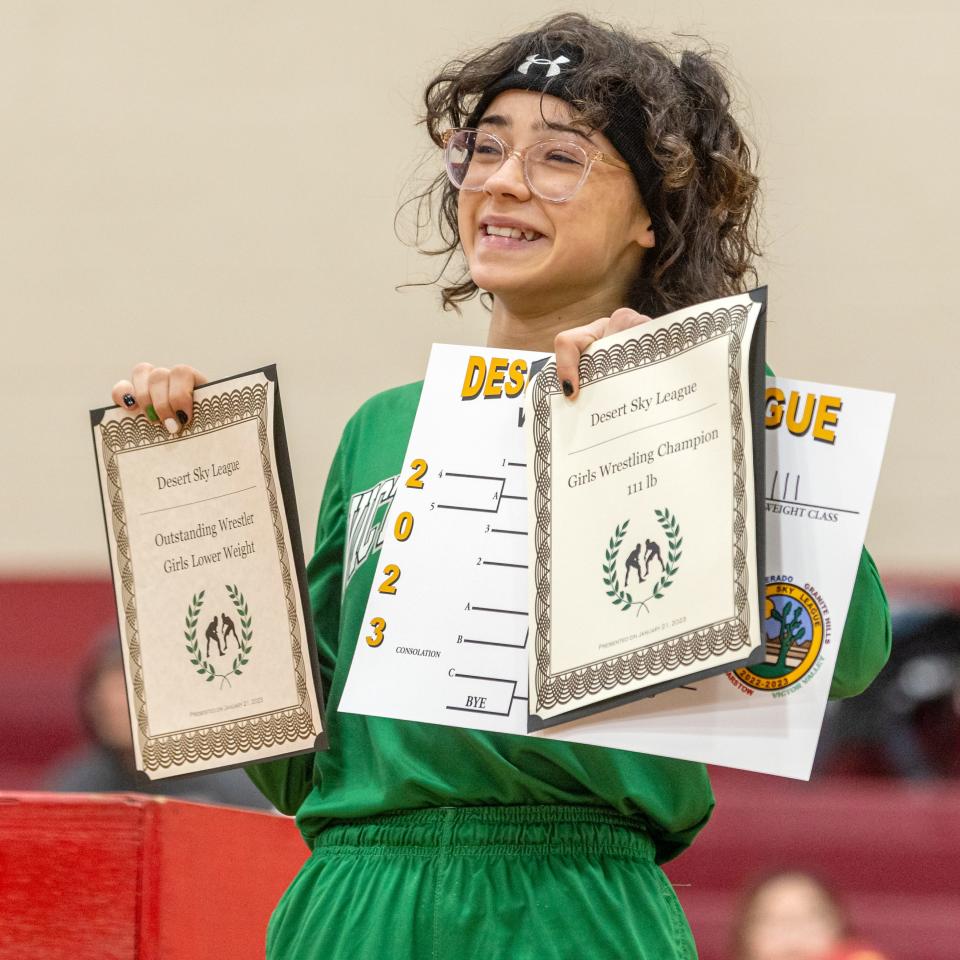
x,y
553,169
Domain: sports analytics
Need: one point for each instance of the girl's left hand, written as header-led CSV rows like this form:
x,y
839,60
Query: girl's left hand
x,y
571,343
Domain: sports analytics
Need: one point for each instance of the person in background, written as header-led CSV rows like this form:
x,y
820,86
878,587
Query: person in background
x,y
106,763
793,915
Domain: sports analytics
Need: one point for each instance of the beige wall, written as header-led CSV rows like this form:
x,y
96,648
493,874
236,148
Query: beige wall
x,y
195,182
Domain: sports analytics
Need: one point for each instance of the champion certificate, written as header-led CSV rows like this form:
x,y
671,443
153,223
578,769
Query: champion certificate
x,y
645,551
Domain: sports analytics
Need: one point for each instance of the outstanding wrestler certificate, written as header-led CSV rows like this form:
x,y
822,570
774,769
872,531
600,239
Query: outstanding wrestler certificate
x,y
210,587
645,553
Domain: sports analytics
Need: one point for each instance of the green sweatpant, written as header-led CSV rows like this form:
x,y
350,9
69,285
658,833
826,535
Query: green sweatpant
x,y
465,883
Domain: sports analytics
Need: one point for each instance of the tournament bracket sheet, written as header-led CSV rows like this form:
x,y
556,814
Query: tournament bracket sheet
x,y
444,637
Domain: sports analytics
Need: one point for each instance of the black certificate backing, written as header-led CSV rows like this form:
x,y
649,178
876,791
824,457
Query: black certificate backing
x,y
756,367
288,496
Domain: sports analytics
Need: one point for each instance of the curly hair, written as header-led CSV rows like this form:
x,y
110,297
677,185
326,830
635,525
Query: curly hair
x,y
706,204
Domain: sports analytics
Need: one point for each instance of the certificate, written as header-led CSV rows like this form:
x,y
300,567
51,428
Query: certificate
x,y
645,553
208,574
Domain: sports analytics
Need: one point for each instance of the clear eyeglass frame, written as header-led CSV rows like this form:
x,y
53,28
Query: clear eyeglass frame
x,y
507,152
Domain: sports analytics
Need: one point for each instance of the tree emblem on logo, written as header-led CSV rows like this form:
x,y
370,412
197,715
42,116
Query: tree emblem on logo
x,y
642,556
219,631
794,629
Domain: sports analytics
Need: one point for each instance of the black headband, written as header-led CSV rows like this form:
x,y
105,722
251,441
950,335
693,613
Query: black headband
x,y
626,128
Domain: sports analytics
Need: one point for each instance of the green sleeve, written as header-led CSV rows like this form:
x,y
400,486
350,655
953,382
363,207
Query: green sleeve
x,y
287,782
865,645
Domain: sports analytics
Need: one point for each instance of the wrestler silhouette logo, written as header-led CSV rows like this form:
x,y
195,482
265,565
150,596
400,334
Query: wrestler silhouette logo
x,y
652,553
646,552
218,631
633,563
228,628
212,635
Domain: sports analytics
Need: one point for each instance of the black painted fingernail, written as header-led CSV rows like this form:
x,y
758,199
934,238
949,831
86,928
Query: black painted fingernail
x,y
567,388
128,400
182,417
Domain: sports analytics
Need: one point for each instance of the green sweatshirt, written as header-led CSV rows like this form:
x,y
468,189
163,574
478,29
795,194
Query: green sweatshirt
x,y
375,765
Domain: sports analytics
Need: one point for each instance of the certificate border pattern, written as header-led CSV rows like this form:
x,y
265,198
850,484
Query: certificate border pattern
x,y
716,639
288,725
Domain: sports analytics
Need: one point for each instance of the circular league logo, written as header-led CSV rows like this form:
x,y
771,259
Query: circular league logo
x,y
794,630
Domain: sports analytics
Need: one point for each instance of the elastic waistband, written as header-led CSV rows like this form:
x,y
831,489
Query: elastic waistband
x,y
538,829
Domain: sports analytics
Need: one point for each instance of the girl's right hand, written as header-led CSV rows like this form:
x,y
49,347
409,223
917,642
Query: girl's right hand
x,y
165,393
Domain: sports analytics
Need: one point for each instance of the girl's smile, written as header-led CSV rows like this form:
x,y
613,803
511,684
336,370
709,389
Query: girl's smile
x,y
508,233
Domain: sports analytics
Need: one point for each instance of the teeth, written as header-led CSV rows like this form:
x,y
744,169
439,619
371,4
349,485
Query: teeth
x,y
511,232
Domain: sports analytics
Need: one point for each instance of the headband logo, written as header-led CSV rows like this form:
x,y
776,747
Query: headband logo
x,y
554,65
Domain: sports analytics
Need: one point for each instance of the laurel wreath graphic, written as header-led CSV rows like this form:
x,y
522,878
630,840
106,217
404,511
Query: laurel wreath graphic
x,y
619,596
610,578
196,658
246,629
204,667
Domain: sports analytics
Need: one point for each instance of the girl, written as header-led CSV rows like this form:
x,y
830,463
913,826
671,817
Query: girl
x,y
591,181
